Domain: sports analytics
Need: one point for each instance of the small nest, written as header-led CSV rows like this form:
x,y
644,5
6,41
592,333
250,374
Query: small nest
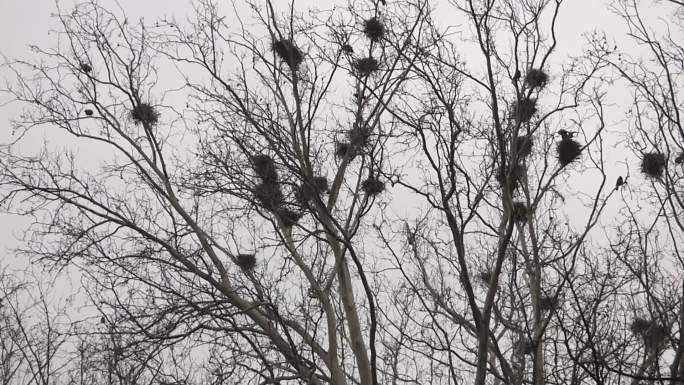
x,y
517,173
568,151
374,29
524,109
269,196
519,213
653,164
372,186
359,136
536,78
145,114
346,48
265,167
245,261
343,148
288,52
680,158
85,67
88,112
366,66
548,302
524,145
289,217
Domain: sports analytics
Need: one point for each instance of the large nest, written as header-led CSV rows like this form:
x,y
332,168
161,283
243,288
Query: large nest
x,y
568,150
652,332
366,66
245,261
144,113
524,109
359,136
374,29
653,164
306,192
372,186
519,212
269,196
288,216
288,52
265,168
524,145
516,174
536,78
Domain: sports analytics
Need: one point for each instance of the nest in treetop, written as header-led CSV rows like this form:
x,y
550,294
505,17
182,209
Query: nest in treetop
x,y
85,67
89,112
524,145
342,149
568,150
517,172
245,261
519,212
265,167
145,114
288,52
366,66
305,192
372,186
524,109
359,136
269,196
288,216
548,302
653,164
536,78
374,29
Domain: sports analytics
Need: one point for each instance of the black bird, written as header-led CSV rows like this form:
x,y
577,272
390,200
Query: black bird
x,y
516,77
565,134
619,183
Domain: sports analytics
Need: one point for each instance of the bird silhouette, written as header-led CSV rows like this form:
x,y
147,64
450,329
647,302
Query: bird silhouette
x,y
620,181
566,134
516,76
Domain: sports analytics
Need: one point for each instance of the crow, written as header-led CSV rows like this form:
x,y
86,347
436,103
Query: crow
x,y
620,182
565,134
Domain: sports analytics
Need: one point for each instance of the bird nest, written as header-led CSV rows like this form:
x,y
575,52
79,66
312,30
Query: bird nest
x,y
306,192
346,48
85,67
524,109
372,186
516,173
536,78
288,216
568,150
288,52
653,164
524,144
519,212
652,332
366,66
269,196
265,168
548,302
144,113
245,261
374,29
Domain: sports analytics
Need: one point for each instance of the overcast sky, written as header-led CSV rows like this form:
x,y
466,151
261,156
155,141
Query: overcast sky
x,y
25,22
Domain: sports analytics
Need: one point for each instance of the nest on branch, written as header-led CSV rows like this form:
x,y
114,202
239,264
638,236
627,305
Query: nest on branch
x,y
536,78
88,112
568,150
288,52
85,67
366,66
524,145
269,196
524,109
342,149
372,186
245,261
346,48
652,332
265,168
306,192
516,173
374,29
653,164
288,216
519,212
144,113
548,302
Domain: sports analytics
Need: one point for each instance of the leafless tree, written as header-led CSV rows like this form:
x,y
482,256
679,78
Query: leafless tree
x,y
359,195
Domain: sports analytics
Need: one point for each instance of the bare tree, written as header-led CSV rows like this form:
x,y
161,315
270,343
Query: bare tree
x,y
250,217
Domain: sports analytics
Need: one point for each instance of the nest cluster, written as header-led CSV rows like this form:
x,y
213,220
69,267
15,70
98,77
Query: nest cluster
x,y
245,261
653,164
366,66
372,186
145,114
524,109
568,149
288,52
519,212
652,332
374,29
269,193
536,78
305,192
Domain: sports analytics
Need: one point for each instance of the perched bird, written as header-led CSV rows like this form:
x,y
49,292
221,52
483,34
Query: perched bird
x,y
619,183
516,77
565,134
